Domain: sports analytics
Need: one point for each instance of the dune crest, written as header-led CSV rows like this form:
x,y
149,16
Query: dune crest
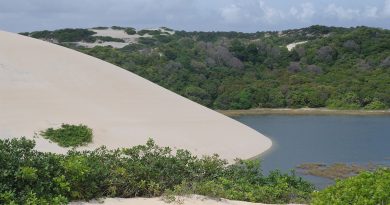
x,y
43,85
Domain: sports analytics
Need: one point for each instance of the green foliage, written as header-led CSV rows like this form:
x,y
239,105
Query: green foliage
x,y
130,31
244,181
65,35
26,176
108,38
32,177
347,101
100,28
118,28
367,188
375,105
339,68
150,32
69,135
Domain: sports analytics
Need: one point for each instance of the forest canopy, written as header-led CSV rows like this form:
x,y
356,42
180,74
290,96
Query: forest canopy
x,y
338,68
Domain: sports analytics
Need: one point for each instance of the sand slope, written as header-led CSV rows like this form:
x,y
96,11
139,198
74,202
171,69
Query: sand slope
x,y
191,200
43,85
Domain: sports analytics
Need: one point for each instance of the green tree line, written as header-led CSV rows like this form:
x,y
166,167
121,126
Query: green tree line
x,y
339,68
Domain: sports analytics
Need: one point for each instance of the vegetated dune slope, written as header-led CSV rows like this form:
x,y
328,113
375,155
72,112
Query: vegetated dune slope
x,y
43,85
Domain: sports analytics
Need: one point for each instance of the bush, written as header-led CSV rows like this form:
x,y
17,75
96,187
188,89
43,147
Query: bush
x,y
69,135
117,28
375,105
244,181
130,31
73,35
109,39
100,28
29,176
367,188
150,32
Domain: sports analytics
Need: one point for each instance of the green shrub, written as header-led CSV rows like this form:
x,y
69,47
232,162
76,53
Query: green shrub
x,y
100,28
109,38
146,41
130,31
367,188
150,32
29,176
244,181
117,27
73,35
66,35
375,105
69,135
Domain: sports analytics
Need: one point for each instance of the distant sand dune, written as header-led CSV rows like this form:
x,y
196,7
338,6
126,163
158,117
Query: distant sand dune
x,y
293,45
43,85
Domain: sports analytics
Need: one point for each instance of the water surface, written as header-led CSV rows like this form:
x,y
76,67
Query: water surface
x,y
326,139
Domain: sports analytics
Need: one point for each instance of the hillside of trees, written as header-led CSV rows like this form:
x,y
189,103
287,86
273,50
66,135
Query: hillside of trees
x,y
338,68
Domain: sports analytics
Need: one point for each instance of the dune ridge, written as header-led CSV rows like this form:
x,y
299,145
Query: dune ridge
x,y
43,85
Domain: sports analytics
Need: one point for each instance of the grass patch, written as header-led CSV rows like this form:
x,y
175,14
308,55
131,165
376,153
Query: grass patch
x,y
334,171
69,135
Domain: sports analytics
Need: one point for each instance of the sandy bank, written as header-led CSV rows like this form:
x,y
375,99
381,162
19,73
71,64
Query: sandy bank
x,y
193,200
43,85
301,111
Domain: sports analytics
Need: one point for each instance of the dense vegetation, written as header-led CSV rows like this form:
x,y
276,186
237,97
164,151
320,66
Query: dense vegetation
x,y
368,188
31,177
69,135
342,68
64,35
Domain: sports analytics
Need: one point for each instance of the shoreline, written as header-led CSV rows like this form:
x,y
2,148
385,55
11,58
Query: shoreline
x,y
300,111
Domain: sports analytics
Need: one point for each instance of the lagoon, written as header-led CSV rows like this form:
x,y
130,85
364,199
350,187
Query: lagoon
x,y
328,139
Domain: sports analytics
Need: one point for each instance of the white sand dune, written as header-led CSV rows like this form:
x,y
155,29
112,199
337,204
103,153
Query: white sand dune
x,y
107,43
293,45
43,85
114,33
191,200
121,34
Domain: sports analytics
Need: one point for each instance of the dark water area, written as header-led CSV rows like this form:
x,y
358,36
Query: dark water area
x,y
299,139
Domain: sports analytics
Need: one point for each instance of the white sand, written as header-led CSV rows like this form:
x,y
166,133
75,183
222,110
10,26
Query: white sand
x,y
121,34
107,43
43,85
192,200
292,45
117,33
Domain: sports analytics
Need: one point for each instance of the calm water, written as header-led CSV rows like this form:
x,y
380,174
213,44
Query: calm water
x,y
325,139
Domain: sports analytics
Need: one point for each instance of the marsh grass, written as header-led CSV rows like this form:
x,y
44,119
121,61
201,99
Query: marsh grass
x,y
334,171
